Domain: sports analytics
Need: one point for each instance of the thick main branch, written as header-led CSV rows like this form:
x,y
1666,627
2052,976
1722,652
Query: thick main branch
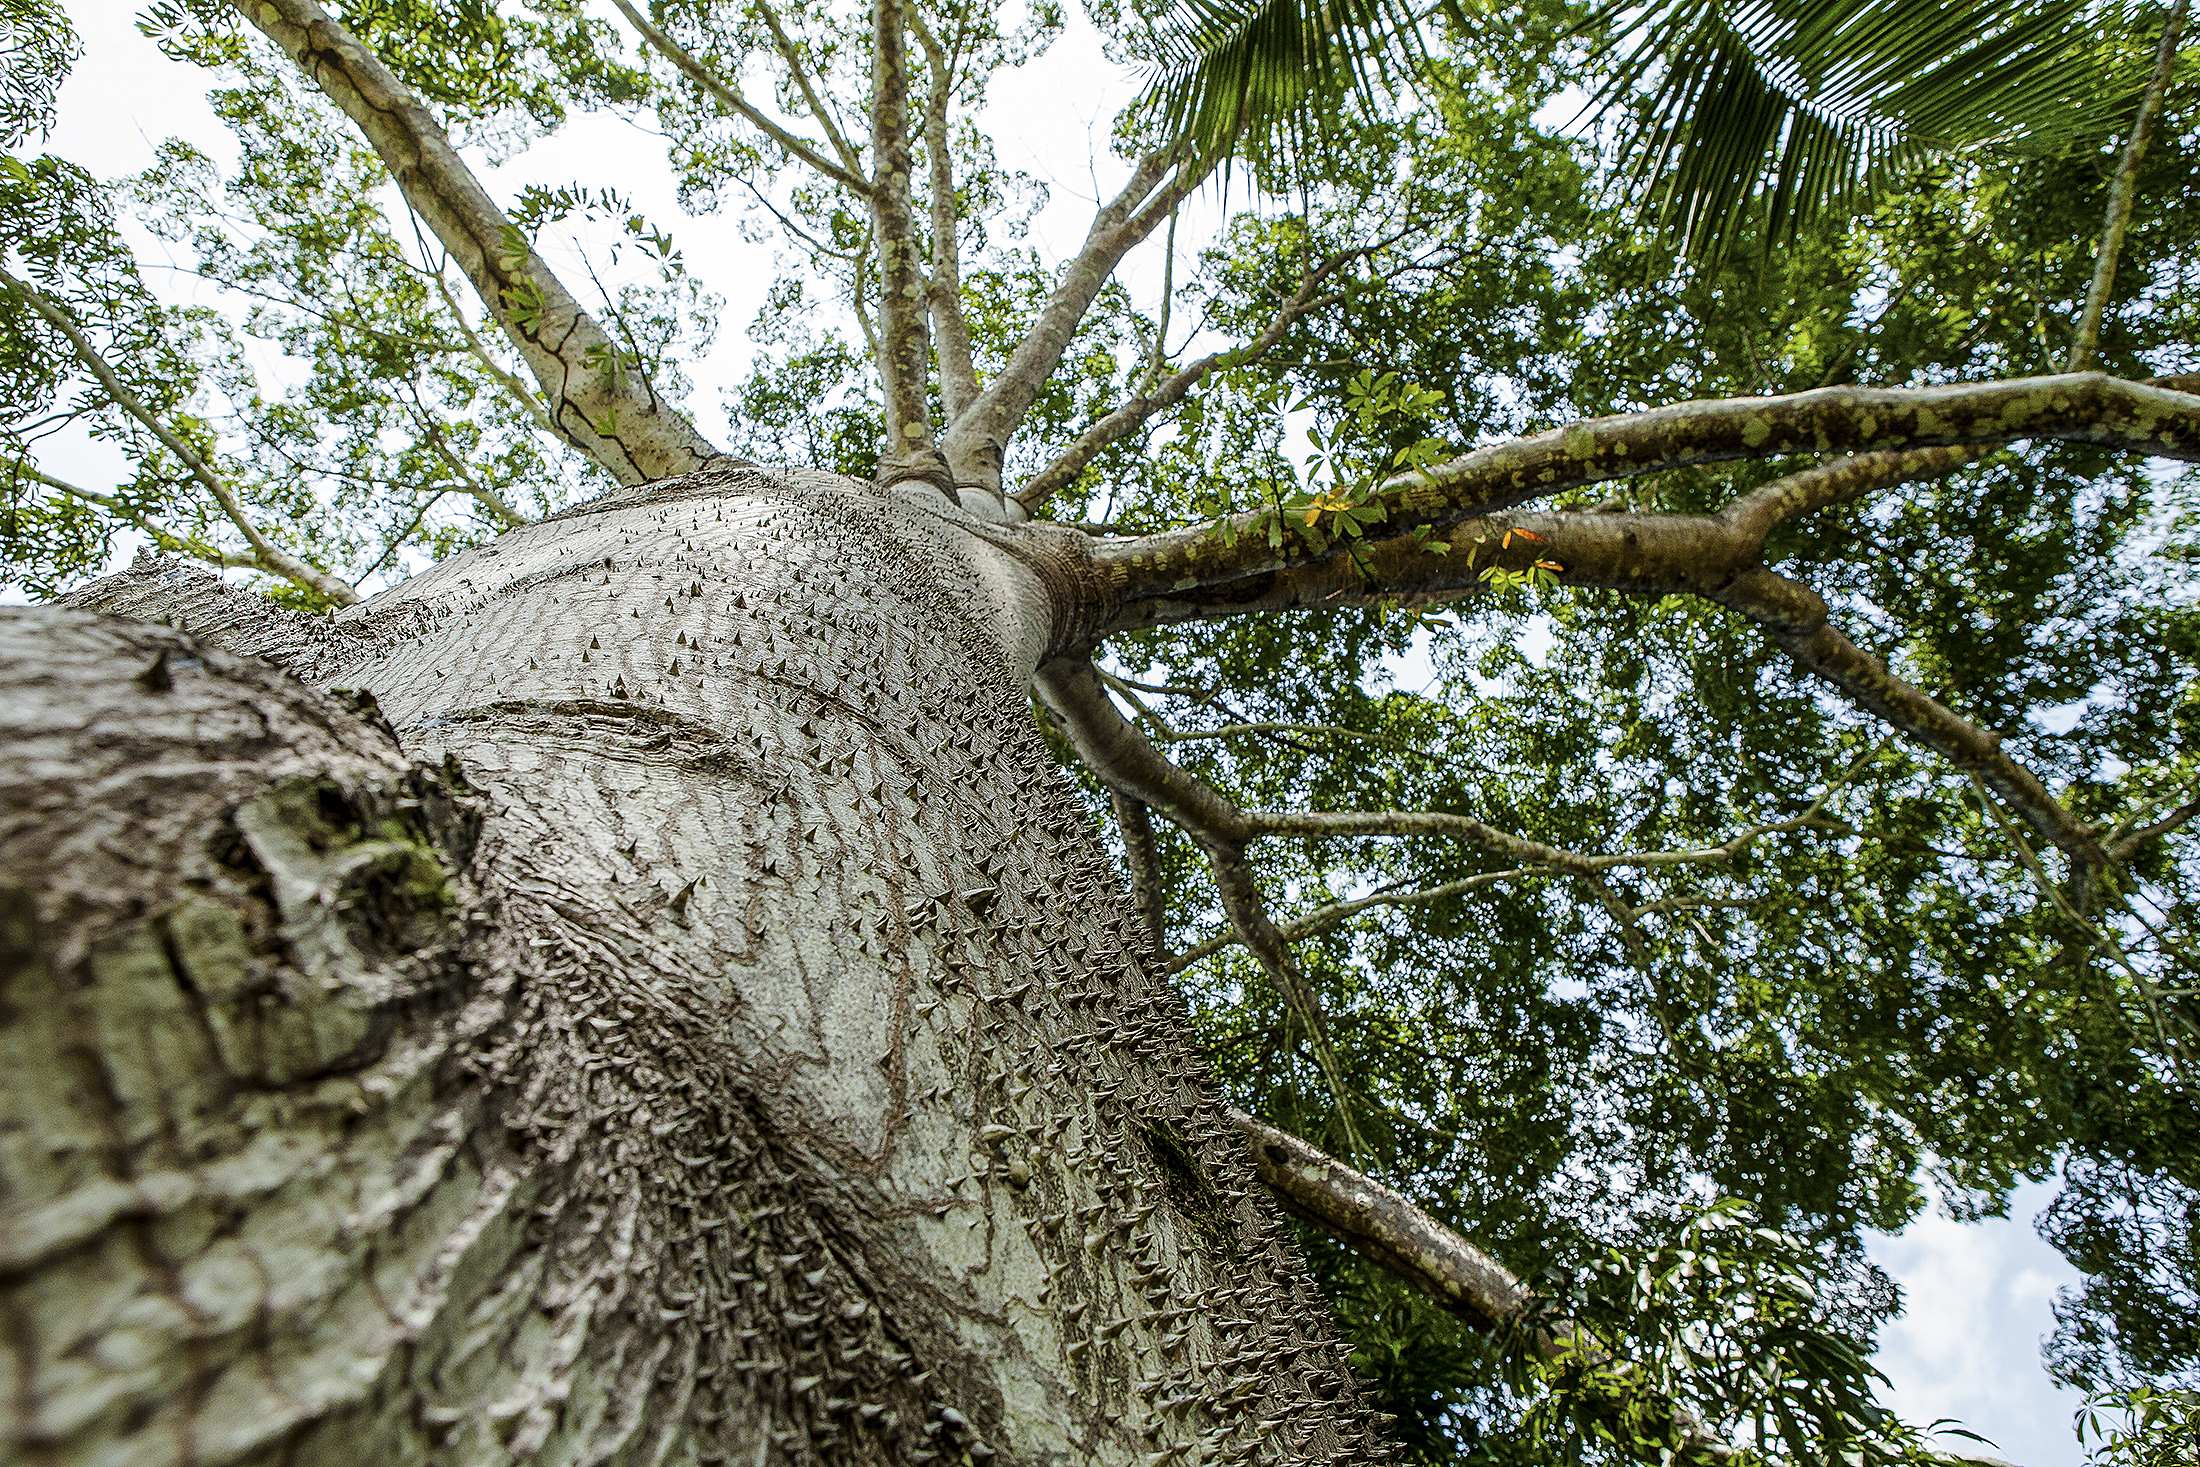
x,y
904,343
596,402
2084,407
977,441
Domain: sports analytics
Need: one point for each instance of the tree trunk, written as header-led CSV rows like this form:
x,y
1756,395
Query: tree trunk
x,y
697,1025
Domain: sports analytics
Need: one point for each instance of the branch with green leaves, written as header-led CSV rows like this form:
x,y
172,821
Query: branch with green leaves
x,y
2084,407
266,554
158,535
1714,557
1583,1380
596,402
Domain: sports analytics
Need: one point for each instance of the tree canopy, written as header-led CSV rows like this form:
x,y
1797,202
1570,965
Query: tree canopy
x,y
1571,831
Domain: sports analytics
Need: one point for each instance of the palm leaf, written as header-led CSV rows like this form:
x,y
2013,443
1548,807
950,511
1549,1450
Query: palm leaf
x,y
1232,77
1765,114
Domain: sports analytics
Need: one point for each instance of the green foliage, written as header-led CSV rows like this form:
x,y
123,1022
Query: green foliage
x,y
1770,112
1722,1340
37,47
1743,122
1878,1003
1230,74
491,72
1841,1009
2141,1427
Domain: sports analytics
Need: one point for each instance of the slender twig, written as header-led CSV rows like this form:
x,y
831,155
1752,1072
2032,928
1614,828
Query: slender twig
x,y
499,508
2128,836
397,541
2122,192
1322,919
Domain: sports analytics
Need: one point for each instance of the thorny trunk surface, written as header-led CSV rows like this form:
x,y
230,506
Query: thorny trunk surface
x,y
698,1026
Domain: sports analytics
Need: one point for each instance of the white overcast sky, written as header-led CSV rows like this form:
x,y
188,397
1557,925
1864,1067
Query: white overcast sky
x,y
1977,1295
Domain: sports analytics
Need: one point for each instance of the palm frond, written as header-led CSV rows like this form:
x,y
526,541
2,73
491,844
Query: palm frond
x,y
1237,76
1766,114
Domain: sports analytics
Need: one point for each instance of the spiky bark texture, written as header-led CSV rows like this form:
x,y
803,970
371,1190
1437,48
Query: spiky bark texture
x,y
669,1010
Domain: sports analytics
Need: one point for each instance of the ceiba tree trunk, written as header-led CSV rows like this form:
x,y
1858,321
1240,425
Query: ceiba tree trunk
x,y
638,993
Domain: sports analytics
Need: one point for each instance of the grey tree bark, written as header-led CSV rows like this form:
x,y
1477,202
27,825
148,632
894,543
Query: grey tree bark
x,y
666,1009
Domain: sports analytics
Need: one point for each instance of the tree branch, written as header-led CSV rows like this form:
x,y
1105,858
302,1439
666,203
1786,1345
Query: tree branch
x,y
499,508
1144,861
1123,759
162,539
524,397
1374,1220
1390,1231
977,442
2122,191
599,409
1132,415
1448,824
904,344
2123,844
1658,554
691,66
2082,407
266,554
1323,918
819,107
1823,486
1703,555
950,328
1168,735
1796,617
